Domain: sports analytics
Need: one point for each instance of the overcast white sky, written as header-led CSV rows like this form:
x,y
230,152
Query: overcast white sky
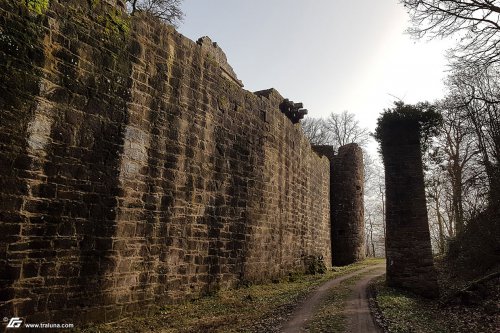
x,y
332,55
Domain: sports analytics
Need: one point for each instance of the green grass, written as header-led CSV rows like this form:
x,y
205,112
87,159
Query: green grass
x,y
404,312
237,310
330,316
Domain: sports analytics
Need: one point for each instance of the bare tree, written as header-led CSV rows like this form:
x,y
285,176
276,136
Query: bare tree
x,y
166,10
463,157
474,84
458,146
369,231
477,95
344,128
476,22
438,195
316,131
375,210
337,130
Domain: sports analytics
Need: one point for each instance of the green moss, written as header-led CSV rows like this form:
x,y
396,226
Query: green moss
x,y
120,22
37,6
21,59
223,102
115,22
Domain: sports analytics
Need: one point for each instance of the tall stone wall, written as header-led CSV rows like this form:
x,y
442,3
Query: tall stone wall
x,y
346,202
408,245
134,172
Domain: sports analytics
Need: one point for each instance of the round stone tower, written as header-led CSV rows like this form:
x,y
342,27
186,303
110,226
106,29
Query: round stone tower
x,y
347,210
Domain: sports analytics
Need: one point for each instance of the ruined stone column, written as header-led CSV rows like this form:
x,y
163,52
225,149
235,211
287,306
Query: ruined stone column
x,y
408,245
346,202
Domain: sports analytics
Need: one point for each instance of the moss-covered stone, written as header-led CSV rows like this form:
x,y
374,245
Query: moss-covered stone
x,y
115,22
37,6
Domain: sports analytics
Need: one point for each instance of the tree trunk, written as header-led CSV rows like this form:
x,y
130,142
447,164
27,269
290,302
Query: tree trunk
x,y
441,232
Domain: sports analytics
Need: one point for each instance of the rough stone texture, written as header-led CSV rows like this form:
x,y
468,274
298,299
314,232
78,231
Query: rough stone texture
x,y
346,203
347,210
408,244
220,57
133,172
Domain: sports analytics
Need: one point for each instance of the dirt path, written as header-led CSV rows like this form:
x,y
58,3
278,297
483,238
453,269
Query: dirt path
x,y
357,309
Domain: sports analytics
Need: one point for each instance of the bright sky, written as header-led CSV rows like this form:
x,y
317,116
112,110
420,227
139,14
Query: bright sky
x,y
332,55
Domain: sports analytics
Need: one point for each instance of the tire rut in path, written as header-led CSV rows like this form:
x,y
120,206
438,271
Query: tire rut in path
x,y
356,309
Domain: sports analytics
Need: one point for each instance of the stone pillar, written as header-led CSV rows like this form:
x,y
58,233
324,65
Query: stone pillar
x,y
408,245
346,203
347,210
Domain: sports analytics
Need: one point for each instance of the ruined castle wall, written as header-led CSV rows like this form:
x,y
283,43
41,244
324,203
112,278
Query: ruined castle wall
x,y
134,172
408,245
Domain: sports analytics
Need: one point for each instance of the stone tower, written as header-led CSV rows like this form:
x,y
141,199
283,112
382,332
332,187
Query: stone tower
x,y
346,202
408,245
347,210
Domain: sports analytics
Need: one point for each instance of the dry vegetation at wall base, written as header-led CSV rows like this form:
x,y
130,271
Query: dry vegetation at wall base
x,y
253,308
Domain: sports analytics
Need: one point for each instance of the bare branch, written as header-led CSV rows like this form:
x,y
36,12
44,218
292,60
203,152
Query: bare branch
x,y
166,10
475,22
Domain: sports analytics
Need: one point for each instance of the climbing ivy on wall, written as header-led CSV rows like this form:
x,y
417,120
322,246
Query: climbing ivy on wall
x,y
421,116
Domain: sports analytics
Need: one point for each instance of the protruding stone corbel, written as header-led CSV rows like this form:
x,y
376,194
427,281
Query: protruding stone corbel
x,y
294,111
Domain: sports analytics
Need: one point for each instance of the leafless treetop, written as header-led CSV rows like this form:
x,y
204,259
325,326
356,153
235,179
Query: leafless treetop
x,y
475,22
166,10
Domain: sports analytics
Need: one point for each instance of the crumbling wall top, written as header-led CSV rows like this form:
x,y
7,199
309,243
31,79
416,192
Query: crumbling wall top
x,y
220,57
324,150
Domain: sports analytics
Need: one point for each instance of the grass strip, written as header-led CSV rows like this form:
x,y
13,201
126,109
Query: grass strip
x,y
256,308
330,315
404,312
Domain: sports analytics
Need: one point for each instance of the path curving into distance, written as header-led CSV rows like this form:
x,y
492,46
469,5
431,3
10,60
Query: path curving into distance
x,y
357,309
359,319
